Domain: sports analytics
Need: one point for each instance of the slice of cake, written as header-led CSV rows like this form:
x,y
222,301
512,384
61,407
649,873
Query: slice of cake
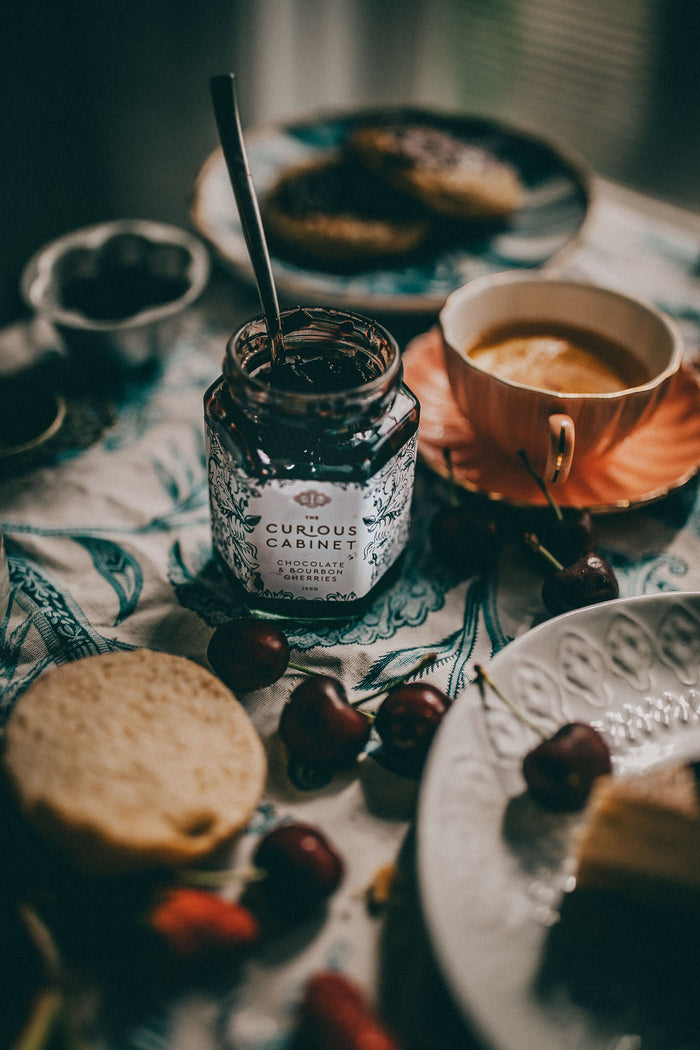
x,y
642,836
628,939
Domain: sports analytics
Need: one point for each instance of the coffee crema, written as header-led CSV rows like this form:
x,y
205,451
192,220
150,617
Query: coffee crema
x,y
561,358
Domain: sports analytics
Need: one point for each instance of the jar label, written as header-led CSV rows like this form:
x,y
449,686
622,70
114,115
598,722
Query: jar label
x,y
314,540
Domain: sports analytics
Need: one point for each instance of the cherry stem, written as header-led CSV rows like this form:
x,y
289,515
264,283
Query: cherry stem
x,y
485,679
311,671
218,879
393,683
49,1023
48,1012
541,485
532,540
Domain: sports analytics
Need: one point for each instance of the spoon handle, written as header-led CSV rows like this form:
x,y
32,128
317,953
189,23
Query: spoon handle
x,y
225,101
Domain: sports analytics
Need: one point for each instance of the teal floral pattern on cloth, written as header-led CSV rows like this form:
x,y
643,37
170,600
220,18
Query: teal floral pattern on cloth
x,y
157,446
111,549
52,625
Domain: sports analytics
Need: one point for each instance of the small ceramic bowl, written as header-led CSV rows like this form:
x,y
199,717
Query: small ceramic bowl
x,y
115,290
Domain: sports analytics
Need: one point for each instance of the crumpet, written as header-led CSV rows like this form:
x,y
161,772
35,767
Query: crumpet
x,y
133,759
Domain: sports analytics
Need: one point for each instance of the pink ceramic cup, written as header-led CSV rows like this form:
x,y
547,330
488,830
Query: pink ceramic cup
x,y
554,429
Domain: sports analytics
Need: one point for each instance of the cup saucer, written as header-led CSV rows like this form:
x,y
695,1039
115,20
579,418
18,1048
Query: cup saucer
x,y
659,456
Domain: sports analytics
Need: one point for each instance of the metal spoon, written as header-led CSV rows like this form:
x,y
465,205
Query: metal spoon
x,y
224,98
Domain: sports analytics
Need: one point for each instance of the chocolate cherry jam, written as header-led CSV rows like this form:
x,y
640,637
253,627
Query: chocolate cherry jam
x,y
311,463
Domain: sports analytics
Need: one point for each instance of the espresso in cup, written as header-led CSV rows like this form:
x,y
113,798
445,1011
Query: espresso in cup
x,y
558,357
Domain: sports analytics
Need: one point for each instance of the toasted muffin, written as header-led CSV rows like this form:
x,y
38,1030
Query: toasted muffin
x,y
450,176
130,760
331,212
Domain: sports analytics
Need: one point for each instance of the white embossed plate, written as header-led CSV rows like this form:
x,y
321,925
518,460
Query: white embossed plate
x,y
557,192
492,865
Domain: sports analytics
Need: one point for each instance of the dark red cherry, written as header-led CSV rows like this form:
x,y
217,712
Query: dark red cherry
x,y
301,868
318,726
248,654
567,532
589,580
571,535
560,771
465,540
408,719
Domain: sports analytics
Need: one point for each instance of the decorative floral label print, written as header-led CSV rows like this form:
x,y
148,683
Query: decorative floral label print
x,y
315,540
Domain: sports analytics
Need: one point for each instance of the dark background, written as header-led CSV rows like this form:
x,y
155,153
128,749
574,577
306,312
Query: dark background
x,y
106,110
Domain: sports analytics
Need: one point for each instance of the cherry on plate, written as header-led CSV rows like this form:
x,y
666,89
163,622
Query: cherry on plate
x,y
562,769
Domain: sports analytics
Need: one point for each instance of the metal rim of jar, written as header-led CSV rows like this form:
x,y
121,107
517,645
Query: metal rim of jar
x,y
295,403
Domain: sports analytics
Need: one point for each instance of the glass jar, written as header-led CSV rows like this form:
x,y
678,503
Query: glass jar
x,y
311,463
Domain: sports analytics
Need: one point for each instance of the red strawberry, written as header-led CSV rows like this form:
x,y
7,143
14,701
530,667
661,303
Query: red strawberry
x,y
335,1015
193,923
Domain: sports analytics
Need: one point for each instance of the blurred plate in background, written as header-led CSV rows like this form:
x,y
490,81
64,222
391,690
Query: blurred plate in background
x,y
557,197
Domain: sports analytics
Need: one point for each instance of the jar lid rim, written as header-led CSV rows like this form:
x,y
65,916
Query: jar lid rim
x,y
300,319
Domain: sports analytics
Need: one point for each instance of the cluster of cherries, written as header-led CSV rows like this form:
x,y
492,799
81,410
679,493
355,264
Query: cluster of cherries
x,y
468,538
187,928
323,732
321,729
561,769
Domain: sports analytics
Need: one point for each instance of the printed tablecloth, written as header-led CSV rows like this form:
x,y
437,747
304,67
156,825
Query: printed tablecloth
x,y
109,548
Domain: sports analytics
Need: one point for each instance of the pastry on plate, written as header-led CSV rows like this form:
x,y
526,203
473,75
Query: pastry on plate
x,y
642,836
331,213
133,759
451,176
628,938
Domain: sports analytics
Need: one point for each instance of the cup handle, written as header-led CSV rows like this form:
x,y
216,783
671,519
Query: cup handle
x,y
560,451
